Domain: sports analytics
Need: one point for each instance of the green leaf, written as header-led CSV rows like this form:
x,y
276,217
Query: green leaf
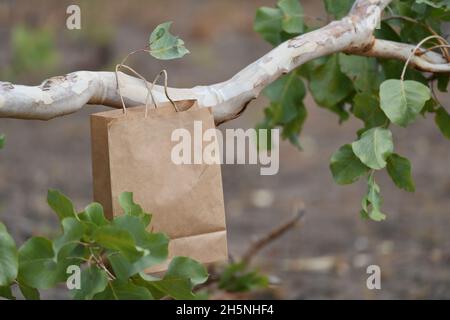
x,y
329,86
429,107
374,146
155,246
371,204
278,24
60,204
288,91
116,239
93,281
2,140
183,274
442,120
236,278
399,168
386,32
286,109
362,71
184,267
128,205
345,166
6,292
8,257
442,81
179,289
73,230
338,8
403,101
268,24
292,21
392,69
367,108
164,45
117,290
131,208
94,214
29,293
37,267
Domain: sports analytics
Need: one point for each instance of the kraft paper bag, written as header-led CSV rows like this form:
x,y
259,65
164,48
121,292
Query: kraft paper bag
x,y
132,152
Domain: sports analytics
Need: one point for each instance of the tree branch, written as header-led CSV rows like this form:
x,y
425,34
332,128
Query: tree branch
x,y
423,60
60,96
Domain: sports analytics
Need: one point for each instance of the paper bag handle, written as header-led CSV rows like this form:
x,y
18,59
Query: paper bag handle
x,y
164,72
149,90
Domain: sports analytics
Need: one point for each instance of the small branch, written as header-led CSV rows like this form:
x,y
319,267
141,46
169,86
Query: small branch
x,y
258,245
274,234
427,61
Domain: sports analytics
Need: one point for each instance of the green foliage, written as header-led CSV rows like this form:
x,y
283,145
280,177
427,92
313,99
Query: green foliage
x,y
292,12
402,101
113,256
6,292
2,141
117,290
366,107
443,121
278,24
371,203
9,260
374,146
237,278
329,85
32,50
62,206
164,45
362,71
286,108
399,168
29,293
38,267
185,268
346,167
93,281
364,87
338,8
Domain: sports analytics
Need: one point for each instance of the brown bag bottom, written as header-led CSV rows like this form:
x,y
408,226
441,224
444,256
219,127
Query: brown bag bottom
x,y
205,248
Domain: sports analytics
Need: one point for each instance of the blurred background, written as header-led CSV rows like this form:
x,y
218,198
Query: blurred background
x,y
327,255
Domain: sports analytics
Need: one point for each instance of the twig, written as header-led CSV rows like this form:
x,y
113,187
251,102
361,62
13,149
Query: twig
x,y
274,234
257,246
100,264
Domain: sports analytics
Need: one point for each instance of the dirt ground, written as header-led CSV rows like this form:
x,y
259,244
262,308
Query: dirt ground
x,y
327,255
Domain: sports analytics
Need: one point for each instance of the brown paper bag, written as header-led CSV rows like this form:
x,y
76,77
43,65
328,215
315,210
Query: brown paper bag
x,y
131,152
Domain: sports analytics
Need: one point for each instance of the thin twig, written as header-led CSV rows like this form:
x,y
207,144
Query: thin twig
x,y
274,234
100,264
257,246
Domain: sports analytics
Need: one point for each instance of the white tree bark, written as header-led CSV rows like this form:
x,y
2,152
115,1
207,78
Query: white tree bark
x,y
63,95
